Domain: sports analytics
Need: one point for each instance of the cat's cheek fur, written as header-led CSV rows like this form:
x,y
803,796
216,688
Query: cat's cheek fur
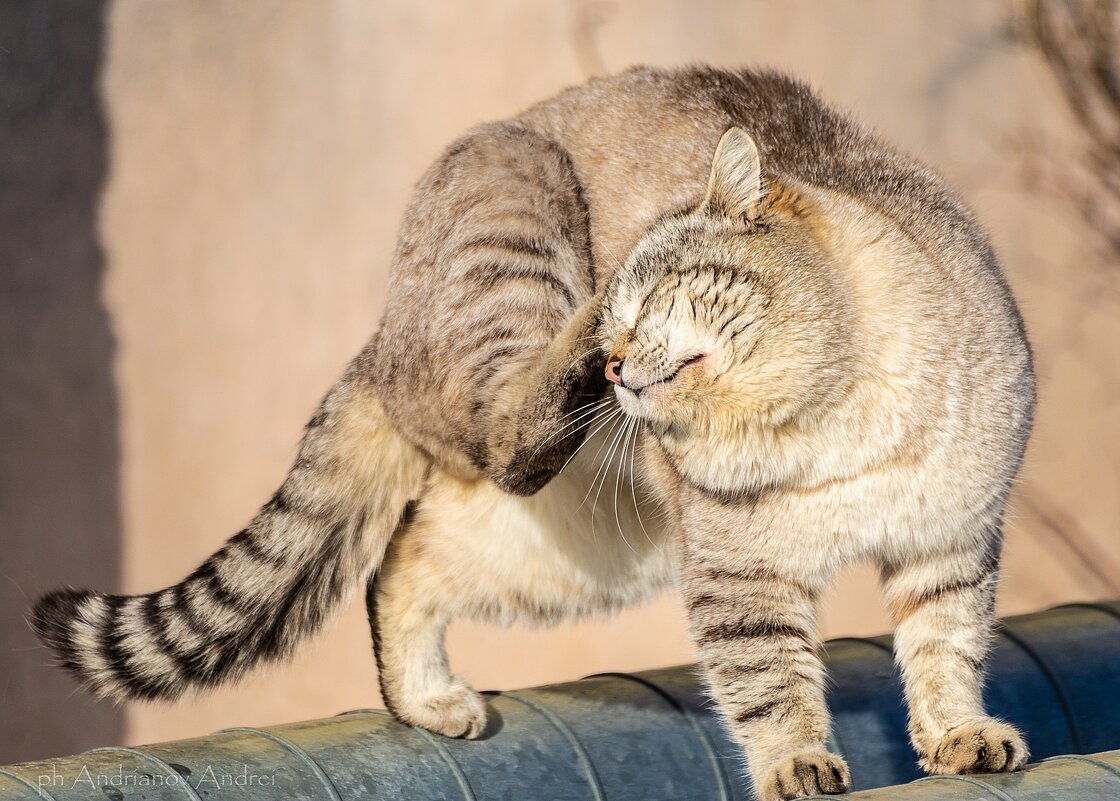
x,y
631,403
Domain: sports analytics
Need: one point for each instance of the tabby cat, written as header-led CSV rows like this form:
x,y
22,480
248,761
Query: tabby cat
x,y
791,355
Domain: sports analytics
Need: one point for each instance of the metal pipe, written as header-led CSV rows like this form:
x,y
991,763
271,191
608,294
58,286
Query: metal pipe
x,y
1069,778
647,736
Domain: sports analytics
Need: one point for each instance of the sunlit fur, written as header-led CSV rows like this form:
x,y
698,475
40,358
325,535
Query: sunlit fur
x,y
823,389
831,369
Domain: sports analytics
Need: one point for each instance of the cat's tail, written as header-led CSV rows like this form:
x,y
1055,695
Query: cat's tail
x,y
269,586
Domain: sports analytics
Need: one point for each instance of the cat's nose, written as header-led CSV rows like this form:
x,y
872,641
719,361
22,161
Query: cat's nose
x,y
614,370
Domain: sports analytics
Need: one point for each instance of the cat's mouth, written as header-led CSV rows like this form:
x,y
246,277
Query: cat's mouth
x,y
642,400
692,361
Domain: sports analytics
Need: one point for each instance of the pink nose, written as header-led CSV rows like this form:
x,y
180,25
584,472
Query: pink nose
x,y
614,371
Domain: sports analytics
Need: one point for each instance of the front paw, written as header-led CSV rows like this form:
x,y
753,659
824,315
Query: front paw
x,y
455,710
980,746
807,773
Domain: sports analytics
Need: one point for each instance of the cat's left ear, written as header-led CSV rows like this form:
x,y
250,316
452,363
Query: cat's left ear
x,y
736,187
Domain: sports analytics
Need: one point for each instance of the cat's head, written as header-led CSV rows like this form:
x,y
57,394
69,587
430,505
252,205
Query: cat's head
x,y
725,314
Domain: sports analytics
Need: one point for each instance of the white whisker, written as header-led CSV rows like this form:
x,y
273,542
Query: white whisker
x,y
634,483
605,469
598,406
607,441
627,431
609,415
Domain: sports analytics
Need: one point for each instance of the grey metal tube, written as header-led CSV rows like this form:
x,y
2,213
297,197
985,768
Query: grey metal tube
x,y
1069,778
647,736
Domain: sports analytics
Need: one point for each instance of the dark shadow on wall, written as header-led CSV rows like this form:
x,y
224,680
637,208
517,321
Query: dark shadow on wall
x,y
59,460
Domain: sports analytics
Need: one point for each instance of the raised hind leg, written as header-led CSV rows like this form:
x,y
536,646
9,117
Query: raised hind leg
x,y
496,262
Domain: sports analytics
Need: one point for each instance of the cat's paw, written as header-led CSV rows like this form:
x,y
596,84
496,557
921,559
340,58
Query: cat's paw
x,y
979,746
455,710
807,773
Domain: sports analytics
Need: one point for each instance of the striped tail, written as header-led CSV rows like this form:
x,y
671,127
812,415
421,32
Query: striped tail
x,y
269,586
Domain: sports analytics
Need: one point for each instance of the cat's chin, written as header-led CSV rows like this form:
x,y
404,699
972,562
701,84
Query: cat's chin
x,y
634,404
649,406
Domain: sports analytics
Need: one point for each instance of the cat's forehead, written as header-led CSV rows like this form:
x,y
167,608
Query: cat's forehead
x,y
688,243
680,254
680,233
656,292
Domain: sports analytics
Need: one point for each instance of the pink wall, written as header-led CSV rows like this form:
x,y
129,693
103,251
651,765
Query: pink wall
x,y
259,161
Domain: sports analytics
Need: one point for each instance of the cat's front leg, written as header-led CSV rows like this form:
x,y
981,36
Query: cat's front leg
x,y
943,610
755,627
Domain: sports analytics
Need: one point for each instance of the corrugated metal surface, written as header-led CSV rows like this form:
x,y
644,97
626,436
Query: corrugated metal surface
x,y
1062,778
645,737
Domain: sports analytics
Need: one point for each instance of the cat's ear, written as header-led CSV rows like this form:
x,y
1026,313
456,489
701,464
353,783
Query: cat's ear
x,y
736,188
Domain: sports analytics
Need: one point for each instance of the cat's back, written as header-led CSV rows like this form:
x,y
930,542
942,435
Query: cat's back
x,y
664,123
641,142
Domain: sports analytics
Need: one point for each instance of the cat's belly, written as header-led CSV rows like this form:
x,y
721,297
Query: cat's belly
x,y
589,542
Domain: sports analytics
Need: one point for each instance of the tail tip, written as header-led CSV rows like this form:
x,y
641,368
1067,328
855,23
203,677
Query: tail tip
x,y
66,620
53,615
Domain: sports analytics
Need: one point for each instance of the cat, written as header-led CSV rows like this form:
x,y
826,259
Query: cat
x,y
781,347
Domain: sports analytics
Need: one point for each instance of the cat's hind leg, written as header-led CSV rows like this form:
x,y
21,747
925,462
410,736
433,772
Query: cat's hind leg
x,y
489,346
408,616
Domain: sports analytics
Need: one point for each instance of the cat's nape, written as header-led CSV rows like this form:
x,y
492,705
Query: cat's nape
x,y
779,345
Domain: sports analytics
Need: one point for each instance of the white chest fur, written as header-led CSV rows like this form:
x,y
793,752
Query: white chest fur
x,y
590,541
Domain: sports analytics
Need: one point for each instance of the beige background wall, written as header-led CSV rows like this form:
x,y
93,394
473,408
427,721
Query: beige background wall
x,y
258,159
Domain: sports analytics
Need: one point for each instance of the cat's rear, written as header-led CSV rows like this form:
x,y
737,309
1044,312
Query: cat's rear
x,y
269,586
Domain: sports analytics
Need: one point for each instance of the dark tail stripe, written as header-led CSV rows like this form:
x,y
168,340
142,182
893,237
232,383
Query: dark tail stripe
x,y
207,576
119,658
246,542
273,642
53,619
183,605
156,623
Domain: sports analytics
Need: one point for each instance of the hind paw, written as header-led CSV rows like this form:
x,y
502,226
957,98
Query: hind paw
x,y
454,710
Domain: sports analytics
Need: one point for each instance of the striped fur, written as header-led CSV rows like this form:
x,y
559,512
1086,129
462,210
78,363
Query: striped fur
x,y
270,585
818,363
826,385
496,249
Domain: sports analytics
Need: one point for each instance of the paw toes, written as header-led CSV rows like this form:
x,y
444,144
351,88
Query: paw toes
x,y
983,746
810,773
458,711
